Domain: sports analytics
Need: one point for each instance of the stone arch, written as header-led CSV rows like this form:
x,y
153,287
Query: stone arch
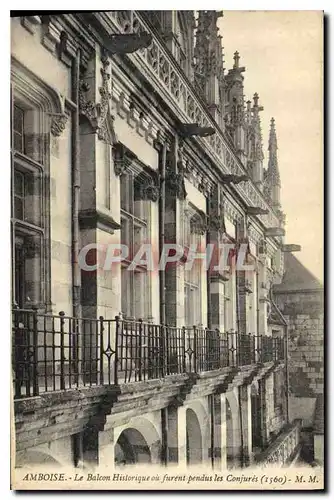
x,y
139,442
194,438
131,448
204,422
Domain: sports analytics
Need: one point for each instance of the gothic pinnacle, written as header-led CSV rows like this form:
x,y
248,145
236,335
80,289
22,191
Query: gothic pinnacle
x,y
236,58
272,136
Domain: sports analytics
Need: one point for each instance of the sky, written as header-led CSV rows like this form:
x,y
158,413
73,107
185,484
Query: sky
x,y
282,53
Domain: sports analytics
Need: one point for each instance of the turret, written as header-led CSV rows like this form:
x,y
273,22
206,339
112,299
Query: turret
x,y
209,70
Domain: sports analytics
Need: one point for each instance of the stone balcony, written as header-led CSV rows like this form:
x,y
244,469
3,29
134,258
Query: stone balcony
x,y
158,66
285,449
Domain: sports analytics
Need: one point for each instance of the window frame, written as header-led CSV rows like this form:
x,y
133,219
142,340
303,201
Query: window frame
x,y
35,168
191,285
134,221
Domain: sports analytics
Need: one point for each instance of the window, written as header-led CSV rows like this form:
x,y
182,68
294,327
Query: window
x,y
18,129
27,217
134,232
193,276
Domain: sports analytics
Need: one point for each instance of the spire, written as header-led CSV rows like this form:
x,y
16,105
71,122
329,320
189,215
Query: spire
x,y
272,176
254,140
273,171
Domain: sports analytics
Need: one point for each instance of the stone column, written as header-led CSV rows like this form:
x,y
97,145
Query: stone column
x,y
107,448
90,447
223,453
182,436
217,451
172,435
246,415
262,393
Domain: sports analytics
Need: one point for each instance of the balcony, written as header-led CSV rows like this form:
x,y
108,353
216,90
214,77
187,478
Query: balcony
x,y
56,353
285,449
163,72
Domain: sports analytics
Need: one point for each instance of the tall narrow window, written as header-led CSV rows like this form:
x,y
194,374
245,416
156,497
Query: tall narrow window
x,y
27,196
193,275
134,218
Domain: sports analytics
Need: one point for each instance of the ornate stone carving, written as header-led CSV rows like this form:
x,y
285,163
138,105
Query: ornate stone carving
x,y
175,183
97,113
147,188
188,104
123,158
175,180
198,223
58,124
216,216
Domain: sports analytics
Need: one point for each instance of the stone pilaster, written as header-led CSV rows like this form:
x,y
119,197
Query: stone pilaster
x,y
172,435
218,278
175,195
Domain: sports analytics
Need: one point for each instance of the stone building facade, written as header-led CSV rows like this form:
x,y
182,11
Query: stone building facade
x,y
127,129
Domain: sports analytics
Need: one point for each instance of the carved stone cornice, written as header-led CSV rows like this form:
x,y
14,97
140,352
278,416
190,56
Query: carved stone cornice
x,y
96,113
123,158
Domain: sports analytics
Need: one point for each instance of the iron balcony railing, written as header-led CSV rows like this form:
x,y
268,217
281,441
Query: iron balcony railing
x,y
52,353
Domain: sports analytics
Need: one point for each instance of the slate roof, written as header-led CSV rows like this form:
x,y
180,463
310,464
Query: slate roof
x,y
296,276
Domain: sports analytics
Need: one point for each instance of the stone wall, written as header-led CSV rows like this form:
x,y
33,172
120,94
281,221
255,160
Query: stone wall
x,y
304,314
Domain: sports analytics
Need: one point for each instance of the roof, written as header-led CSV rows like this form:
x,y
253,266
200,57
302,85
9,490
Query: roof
x,y
275,316
296,276
318,422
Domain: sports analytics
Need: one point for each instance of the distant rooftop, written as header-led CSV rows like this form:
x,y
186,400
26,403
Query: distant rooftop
x,y
297,276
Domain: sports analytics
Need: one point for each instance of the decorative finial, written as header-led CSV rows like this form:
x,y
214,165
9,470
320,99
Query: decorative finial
x,y
256,99
236,58
272,123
